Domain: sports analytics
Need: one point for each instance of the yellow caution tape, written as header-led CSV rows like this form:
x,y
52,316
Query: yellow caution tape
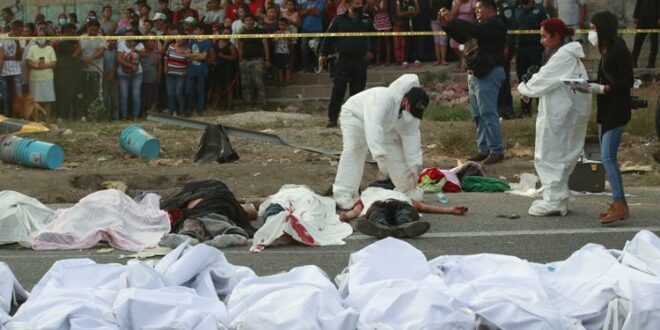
x,y
290,35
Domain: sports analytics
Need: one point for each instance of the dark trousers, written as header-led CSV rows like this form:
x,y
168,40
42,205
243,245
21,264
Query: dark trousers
x,y
67,103
149,97
639,41
526,56
504,98
352,71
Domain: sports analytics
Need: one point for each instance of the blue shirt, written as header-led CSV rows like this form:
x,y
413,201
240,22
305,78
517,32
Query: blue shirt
x,y
199,68
109,60
310,22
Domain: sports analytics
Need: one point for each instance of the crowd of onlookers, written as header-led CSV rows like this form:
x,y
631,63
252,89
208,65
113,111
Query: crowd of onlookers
x,y
128,77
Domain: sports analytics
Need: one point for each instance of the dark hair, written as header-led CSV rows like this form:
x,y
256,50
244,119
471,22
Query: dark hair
x,y
488,3
30,26
555,26
147,6
93,12
419,100
92,23
7,10
607,26
249,15
106,7
283,20
17,24
74,16
68,28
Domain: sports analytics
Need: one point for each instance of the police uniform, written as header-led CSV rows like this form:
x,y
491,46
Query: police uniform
x,y
507,15
529,49
351,67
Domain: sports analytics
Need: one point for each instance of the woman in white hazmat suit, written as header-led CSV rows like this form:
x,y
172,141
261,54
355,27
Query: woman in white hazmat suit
x,y
384,121
561,123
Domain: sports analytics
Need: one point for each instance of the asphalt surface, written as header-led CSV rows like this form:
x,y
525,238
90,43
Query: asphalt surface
x,y
480,231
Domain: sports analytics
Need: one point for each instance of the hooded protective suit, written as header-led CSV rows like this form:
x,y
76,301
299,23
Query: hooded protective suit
x,y
372,121
561,125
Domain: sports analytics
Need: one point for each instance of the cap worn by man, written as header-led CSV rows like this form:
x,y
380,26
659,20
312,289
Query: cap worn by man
x,y
160,16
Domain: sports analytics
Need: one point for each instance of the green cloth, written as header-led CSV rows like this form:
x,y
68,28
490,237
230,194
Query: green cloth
x,y
429,186
483,184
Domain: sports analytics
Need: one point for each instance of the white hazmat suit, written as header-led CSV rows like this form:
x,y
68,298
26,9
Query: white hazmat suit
x,y
561,126
372,121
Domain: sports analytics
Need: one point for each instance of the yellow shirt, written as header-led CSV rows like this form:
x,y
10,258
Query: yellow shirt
x,y
35,53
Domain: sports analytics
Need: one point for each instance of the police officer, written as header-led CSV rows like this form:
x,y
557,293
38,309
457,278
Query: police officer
x,y
354,53
506,13
529,52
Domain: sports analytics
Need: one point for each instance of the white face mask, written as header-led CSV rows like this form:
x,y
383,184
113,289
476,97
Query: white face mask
x,y
407,117
41,42
593,38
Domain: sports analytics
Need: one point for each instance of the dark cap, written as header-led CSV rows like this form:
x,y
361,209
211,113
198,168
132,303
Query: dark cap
x,y
419,100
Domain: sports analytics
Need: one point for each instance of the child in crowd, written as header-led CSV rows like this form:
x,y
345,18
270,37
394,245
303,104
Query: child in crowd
x,y
282,53
226,70
176,65
110,85
41,59
151,63
198,69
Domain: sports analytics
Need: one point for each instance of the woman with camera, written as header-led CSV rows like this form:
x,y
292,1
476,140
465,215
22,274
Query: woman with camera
x,y
615,79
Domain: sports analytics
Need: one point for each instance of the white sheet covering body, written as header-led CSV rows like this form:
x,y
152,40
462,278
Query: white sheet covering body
x,y
21,215
303,298
375,194
10,291
561,125
390,284
371,122
180,293
107,215
307,217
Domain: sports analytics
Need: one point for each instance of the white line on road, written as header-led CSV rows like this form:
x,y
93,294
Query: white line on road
x,y
470,234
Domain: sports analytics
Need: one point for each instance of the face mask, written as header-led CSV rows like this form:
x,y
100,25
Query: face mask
x,y
593,38
358,10
407,117
41,42
62,21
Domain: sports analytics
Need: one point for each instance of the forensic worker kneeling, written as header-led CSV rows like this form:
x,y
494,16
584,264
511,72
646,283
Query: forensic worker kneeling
x,y
561,124
384,121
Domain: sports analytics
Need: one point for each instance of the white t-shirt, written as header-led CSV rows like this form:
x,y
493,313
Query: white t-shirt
x,y
122,48
217,16
375,194
11,68
89,47
569,11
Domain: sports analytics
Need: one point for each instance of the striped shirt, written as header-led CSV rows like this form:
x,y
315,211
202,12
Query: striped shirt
x,y
13,67
176,61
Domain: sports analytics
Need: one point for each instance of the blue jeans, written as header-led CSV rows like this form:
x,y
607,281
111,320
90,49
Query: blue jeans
x,y
200,82
176,98
483,99
609,146
130,85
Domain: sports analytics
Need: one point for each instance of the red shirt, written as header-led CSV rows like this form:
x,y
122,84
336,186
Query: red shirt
x,y
232,10
255,5
181,14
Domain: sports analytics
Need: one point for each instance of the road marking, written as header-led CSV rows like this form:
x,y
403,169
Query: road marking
x,y
472,234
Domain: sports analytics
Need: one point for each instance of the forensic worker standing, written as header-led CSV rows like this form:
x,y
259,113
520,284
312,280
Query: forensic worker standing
x,y
561,123
384,121
354,54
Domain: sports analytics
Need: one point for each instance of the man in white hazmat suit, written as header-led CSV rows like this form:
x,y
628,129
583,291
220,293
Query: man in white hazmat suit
x,y
561,123
384,121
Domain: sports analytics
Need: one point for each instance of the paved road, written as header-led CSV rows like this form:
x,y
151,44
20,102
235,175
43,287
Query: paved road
x,y
534,239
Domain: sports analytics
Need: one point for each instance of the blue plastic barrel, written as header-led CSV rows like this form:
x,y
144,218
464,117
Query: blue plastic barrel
x,y
31,153
7,147
140,143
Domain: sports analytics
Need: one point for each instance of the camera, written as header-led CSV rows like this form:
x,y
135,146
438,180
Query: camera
x,y
530,72
638,103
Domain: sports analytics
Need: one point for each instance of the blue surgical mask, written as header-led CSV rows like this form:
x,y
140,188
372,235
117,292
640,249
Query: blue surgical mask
x,y
41,42
62,21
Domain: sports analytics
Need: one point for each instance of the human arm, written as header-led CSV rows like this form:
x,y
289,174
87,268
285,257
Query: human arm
x,y
583,15
96,55
376,111
548,77
2,57
266,46
437,209
328,44
353,213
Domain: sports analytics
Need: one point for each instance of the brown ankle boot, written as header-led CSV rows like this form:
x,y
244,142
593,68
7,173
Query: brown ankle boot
x,y
603,214
619,212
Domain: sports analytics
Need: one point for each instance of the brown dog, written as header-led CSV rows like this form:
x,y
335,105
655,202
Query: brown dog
x,y
26,108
